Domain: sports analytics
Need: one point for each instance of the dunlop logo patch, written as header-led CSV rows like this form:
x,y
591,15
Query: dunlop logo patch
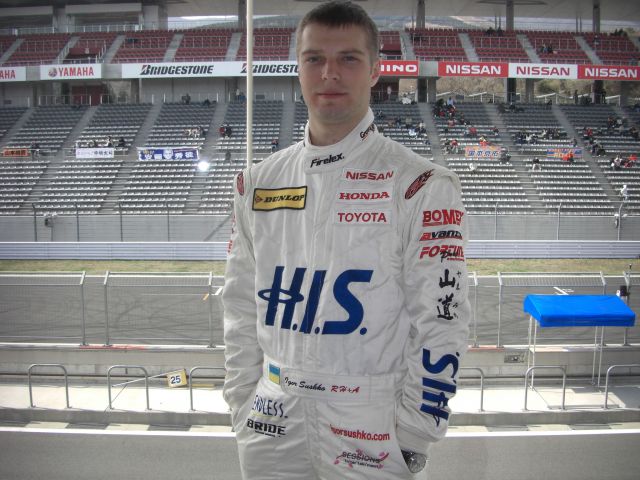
x,y
266,199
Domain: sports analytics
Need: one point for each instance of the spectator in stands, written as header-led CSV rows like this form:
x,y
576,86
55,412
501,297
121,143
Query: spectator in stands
x,y
221,130
574,142
472,167
575,97
389,92
228,131
109,143
568,157
237,93
499,32
471,132
455,146
186,99
274,145
201,132
34,148
450,102
505,157
535,164
489,31
633,131
227,156
121,142
483,141
631,161
421,129
408,122
206,102
624,193
616,163
495,131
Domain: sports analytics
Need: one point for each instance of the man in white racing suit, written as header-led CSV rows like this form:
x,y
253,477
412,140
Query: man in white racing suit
x,y
346,310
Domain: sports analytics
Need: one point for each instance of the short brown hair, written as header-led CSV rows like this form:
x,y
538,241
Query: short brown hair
x,y
337,14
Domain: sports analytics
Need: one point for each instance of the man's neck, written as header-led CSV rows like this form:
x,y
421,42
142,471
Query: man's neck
x,y
323,135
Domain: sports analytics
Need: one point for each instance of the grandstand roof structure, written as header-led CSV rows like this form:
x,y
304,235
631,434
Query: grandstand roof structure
x,y
616,10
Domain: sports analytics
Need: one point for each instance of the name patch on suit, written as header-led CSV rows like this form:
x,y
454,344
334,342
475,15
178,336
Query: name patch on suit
x,y
293,198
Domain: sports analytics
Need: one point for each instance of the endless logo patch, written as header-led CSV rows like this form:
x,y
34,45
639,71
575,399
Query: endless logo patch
x,y
294,198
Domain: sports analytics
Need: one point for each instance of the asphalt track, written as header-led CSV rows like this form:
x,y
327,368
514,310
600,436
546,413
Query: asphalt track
x,y
162,311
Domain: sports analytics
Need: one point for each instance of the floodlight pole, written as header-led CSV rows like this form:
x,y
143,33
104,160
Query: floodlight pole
x,y
35,224
620,218
249,83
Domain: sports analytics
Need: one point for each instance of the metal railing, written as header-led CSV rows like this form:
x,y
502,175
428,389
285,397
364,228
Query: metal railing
x,y
48,365
548,367
606,383
477,369
138,367
191,372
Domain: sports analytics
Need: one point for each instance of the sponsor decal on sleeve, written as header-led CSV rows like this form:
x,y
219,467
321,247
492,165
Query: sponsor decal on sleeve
x,y
441,217
441,235
267,199
434,396
445,252
417,184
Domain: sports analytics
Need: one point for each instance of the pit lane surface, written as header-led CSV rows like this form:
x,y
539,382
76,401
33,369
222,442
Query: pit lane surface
x,y
55,454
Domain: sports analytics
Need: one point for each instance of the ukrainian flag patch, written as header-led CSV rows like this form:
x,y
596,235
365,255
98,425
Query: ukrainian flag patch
x,y
274,374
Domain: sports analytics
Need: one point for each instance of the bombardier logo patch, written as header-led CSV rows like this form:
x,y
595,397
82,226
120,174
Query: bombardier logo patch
x,y
293,198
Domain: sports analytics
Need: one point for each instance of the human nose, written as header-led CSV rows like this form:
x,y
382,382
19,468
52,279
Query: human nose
x,y
330,70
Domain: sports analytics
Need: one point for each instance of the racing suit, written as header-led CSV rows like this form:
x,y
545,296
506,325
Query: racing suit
x,y
346,309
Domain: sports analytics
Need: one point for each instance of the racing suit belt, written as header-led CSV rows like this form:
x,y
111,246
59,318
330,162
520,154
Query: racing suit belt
x,y
335,388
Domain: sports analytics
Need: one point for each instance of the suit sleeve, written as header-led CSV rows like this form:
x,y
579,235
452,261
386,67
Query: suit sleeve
x,y
435,282
243,356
